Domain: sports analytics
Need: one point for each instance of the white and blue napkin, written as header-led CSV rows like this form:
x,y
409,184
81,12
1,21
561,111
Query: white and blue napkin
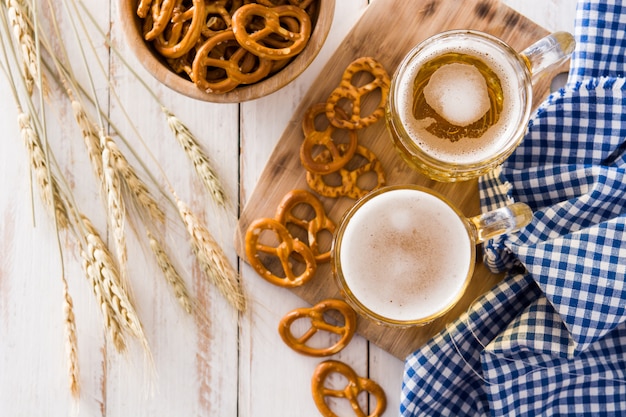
x,y
550,339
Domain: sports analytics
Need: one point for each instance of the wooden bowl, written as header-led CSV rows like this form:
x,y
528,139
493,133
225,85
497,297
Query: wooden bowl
x,y
157,66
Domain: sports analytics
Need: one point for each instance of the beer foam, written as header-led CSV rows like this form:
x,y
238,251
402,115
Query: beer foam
x,y
464,151
458,93
405,254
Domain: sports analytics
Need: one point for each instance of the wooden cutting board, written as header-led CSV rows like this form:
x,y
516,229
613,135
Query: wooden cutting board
x,y
387,31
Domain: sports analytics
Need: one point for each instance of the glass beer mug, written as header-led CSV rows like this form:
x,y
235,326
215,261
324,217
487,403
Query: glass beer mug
x,y
460,101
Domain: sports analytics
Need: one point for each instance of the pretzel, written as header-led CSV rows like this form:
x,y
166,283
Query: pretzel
x,y
318,323
183,31
272,17
349,178
314,139
313,226
218,18
161,12
355,94
353,388
232,67
287,246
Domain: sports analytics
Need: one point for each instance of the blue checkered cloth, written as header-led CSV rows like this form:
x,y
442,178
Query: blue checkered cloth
x,y
550,339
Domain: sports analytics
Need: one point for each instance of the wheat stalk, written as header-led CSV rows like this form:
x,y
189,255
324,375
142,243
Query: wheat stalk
x,y
172,276
117,308
116,208
212,258
71,340
48,185
90,137
25,40
198,157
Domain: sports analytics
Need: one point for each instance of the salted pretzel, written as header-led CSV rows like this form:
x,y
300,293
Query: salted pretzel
x,y
313,226
286,247
233,69
355,95
218,18
254,41
183,30
161,13
315,139
318,323
350,392
349,186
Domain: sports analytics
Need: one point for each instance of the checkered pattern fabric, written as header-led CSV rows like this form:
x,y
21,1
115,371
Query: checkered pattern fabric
x,y
550,339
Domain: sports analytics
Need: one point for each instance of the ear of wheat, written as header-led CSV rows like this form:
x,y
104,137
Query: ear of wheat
x,y
118,310
198,157
71,340
212,258
172,276
46,181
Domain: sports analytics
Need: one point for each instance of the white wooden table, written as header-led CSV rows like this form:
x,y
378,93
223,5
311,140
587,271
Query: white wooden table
x,y
228,366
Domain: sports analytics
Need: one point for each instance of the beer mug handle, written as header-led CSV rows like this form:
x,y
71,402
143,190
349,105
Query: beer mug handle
x,y
503,220
552,50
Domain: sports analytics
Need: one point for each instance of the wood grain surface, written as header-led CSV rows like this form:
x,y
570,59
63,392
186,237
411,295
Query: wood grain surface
x,y
230,365
410,23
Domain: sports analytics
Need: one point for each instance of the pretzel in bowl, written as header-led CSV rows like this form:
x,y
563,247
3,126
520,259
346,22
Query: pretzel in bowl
x,y
183,29
313,226
285,251
349,178
355,385
355,94
315,139
254,40
221,54
318,323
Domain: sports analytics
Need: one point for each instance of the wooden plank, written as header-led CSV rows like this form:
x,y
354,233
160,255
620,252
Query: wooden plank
x,y
408,24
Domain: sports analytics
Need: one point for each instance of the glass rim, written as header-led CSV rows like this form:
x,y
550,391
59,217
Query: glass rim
x,y
349,296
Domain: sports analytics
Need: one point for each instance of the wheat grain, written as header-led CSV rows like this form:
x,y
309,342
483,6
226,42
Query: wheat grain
x,y
212,258
90,137
71,340
116,209
18,19
108,315
48,185
137,187
172,276
115,302
198,157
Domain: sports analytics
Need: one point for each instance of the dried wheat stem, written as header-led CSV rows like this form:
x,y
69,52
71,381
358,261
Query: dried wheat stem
x,y
199,158
138,188
48,185
172,276
90,137
23,34
71,340
212,258
118,310
116,209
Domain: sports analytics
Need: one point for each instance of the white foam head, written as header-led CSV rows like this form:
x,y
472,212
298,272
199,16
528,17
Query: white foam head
x,y
463,151
458,93
405,254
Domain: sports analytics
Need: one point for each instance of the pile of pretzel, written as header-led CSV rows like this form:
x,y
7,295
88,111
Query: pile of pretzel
x,y
321,155
221,44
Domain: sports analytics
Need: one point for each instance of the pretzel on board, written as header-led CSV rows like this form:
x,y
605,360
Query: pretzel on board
x,y
320,222
355,94
355,385
285,250
349,178
319,324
